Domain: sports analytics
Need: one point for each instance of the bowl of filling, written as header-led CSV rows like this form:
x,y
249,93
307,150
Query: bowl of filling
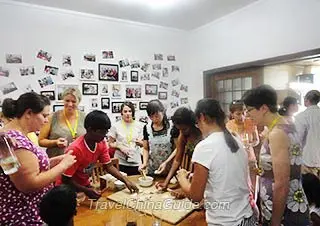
x,y
145,181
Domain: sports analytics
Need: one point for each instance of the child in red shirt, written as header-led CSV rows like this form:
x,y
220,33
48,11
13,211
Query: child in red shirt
x,y
88,149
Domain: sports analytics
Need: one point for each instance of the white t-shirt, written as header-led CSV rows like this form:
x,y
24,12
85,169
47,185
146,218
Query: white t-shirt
x,y
227,192
122,132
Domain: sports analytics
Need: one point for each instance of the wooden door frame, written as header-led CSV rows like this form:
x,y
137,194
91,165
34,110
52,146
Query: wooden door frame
x,y
207,75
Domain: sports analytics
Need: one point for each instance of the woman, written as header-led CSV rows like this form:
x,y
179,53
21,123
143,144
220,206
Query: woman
x,y
126,137
236,122
189,136
21,192
158,143
64,126
220,170
289,107
6,117
282,198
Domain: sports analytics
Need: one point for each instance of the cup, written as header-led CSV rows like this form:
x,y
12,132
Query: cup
x,y
8,160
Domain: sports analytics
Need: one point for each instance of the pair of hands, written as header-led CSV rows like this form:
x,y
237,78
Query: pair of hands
x,y
65,161
94,194
62,142
181,175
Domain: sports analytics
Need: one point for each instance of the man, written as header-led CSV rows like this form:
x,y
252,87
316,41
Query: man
x,y
88,149
307,124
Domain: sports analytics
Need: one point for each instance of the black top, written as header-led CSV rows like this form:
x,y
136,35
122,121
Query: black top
x,y
174,132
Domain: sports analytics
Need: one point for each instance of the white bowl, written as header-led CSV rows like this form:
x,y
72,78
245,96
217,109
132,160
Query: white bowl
x,y
145,182
119,185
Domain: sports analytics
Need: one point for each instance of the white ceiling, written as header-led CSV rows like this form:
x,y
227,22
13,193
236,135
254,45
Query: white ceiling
x,y
185,14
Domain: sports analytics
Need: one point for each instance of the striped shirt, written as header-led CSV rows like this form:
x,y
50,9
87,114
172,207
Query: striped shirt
x,y
307,125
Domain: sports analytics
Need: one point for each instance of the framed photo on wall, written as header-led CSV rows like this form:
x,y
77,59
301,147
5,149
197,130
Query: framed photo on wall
x,y
89,88
60,88
143,105
133,91
104,89
134,76
105,103
50,94
57,107
151,89
116,107
162,95
109,72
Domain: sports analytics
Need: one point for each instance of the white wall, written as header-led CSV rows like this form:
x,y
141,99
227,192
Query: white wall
x,y
261,30
25,29
264,29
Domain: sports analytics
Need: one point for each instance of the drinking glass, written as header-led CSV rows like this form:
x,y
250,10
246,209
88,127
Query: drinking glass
x,y
8,160
250,136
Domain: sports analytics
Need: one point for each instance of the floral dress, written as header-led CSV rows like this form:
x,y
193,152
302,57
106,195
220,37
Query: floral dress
x,y
16,207
296,211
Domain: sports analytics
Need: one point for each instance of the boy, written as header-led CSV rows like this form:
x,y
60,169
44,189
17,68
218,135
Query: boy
x,y
88,149
58,206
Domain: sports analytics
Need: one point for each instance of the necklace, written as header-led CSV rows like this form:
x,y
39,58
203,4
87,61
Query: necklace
x,y
128,133
73,130
270,128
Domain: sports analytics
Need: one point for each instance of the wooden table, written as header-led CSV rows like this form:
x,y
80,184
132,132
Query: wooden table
x,y
106,213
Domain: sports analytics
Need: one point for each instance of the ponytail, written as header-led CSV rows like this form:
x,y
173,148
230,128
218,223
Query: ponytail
x,y
9,108
16,108
212,110
231,142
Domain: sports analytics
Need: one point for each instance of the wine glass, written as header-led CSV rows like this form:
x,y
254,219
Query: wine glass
x,y
250,136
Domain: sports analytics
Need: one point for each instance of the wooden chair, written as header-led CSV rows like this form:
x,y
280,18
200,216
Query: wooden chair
x,y
98,171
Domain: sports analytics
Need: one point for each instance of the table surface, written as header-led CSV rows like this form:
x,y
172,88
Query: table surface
x,y
108,213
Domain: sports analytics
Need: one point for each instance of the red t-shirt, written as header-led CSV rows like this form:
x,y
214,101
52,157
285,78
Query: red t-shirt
x,y
86,158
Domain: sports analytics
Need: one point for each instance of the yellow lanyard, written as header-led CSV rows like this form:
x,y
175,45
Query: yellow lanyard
x,y
128,133
73,131
270,127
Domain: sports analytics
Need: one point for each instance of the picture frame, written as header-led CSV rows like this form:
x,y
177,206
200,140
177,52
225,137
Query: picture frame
x,y
60,88
163,95
151,89
116,107
57,107
89,88
143,105
105,103
94,103
109,72
104,89
87,74
48,93
134,75
133,91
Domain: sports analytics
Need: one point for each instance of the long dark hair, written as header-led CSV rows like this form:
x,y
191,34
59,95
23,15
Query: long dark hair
x,y
155,106
213,112
184,116
16,108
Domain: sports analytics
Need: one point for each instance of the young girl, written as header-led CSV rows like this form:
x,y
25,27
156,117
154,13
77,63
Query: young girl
x,y
311,186
189,136
158,143
220,170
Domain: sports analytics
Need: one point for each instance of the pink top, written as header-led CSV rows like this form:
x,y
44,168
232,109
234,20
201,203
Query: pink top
x,y
16,207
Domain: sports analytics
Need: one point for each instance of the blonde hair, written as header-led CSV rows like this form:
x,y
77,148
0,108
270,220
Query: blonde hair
x,y
72,91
